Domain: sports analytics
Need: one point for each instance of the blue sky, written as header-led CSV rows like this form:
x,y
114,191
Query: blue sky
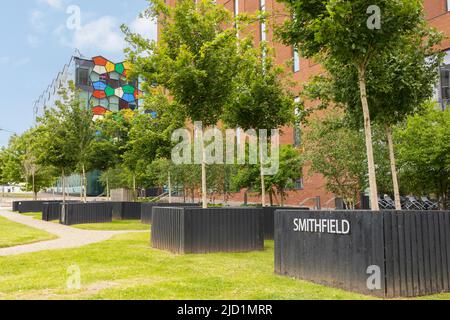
x,y
39,37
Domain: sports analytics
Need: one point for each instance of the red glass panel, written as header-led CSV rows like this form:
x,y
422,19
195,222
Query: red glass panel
x,y
99,94
99,111
100,61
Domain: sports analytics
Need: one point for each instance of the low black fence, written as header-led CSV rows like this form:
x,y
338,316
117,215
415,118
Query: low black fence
x,y
386,254
126,210
147,208
196,230
269,219
30,206
15,206
51,211
82,213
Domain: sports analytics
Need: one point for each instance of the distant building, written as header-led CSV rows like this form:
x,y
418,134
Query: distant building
x,y
103,87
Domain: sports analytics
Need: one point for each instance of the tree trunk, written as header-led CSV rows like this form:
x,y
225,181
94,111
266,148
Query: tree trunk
x,y
368,134
398,204
34,187
263,184
271,198
134,187
170,188
282,197
63,185
107,189
84,184
204,188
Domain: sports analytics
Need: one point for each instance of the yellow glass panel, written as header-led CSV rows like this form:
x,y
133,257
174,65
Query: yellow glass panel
x,y
110,67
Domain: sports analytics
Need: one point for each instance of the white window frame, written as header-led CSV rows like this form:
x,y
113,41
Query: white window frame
x,y
296,58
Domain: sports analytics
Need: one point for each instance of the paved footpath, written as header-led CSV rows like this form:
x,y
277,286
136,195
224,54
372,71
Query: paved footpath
x,y
68,237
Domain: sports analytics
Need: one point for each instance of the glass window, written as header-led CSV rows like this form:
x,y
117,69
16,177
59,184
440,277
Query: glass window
x,y
297,126
298,184
443,92
296,60
448,5
263,30
82,77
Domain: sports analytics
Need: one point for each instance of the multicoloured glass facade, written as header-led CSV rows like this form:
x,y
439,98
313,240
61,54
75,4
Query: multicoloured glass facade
x,y
102,83
103,87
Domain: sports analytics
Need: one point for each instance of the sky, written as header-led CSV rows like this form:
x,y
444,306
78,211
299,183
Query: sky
x,y
39,37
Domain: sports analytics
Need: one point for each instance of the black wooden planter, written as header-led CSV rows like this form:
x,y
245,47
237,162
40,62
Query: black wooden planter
x,y
15,206
147,208
408,252
269,220
52,210
81,213
196,230
30,206
126,210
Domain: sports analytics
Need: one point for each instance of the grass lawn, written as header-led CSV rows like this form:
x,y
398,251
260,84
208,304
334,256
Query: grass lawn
x,y
13,234
35,215
125,267
115,226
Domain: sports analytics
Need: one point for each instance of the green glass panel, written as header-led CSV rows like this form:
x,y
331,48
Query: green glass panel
x,y
128,89
109,91
120,68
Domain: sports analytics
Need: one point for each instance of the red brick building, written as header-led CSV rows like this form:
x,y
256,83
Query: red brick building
x,y
312,185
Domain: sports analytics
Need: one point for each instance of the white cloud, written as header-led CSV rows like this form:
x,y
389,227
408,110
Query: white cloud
x,y
57,4
100,35
146,27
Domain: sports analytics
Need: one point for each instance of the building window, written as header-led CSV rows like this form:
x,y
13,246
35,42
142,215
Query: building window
x,y
296,57
443,92
82,77
297,126
448,5
298,184
263,29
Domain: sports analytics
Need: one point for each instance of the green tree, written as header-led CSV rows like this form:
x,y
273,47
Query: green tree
x,y
56,136
290,169
424,152
151,132
20,163
352,32
336,150
81,125
399,82
112,136
195,59
263,99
